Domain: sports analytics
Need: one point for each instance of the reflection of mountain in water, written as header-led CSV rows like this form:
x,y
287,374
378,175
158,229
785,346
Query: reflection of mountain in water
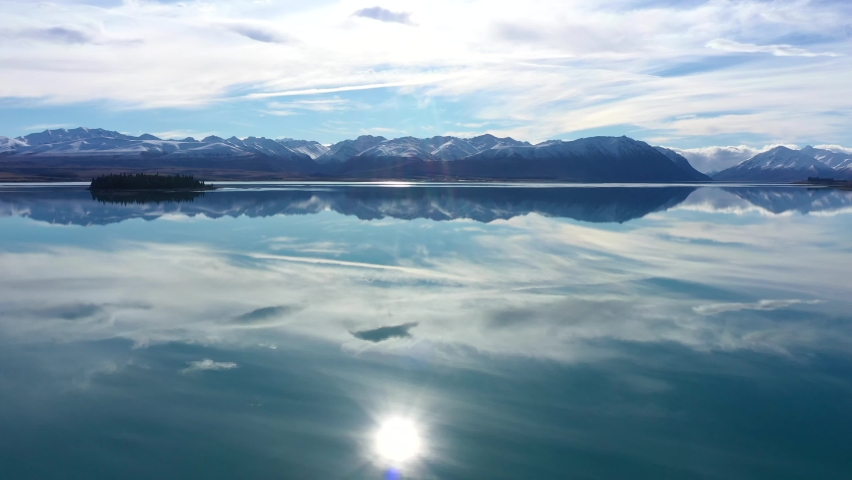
x,y
483,204
795,199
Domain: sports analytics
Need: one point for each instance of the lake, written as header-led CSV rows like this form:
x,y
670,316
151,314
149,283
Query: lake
x,y
404,331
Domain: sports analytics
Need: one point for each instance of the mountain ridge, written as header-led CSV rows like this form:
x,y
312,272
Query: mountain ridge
x,y
86,152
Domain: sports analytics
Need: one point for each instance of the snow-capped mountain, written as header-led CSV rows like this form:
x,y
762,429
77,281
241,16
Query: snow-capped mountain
x,y
454,149
63,135
7,144
82,153
405,147
595,159
451,148
836,160
611,147
488,141
781,164
99,143
438,148
263,146
840,162
343,151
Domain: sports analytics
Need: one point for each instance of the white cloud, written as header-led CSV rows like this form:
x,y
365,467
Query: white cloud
x,y
59,35
777,50
320,105
258,32
46,126
181,134
384,15
717,158
835,148
87,33
717,308
208,364
346,88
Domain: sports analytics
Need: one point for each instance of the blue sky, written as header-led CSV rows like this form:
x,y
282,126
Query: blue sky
x,y
687,74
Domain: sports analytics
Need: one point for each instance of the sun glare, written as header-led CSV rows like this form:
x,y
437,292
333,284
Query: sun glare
x,y
398,440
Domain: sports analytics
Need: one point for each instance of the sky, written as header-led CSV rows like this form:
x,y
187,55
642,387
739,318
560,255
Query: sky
x,y
718,79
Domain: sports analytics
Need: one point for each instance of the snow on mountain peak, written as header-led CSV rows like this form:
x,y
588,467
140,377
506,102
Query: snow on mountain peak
x,y
63,135
96,142
308,147
409,147
780,157
611,146
779,164
454,149
8,144
837,160
488,141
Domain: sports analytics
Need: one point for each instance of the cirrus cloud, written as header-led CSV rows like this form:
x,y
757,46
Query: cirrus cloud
x,y
384,15
777,50
764,305
258,33
60,35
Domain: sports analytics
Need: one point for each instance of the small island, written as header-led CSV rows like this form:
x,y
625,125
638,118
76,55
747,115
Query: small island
x,y
129,182
130,188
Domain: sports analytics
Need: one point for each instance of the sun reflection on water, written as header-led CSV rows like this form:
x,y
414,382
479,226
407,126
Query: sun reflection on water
x,y
398,441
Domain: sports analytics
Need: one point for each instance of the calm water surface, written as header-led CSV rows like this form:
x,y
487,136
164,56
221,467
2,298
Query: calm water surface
x,y
321,331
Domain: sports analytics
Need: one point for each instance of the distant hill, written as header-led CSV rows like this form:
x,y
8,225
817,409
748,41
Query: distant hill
x,y
81,153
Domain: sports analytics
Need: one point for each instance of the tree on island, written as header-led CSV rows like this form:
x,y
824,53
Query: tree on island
x,y
144,181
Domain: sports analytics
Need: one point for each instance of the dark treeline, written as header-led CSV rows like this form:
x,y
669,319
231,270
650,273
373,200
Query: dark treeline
x,y
144,181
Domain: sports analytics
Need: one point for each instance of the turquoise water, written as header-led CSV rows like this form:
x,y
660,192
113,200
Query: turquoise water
x,y
282,330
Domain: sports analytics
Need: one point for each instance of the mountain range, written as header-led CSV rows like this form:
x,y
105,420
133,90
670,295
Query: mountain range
x,y
81,153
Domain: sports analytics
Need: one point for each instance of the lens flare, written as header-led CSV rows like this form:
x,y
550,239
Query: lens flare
x,y
398,440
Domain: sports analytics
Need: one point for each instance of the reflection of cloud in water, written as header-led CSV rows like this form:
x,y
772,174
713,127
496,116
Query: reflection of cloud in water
x,y
265,315
716,308
385,333
208,364
534,286
74,312
253,325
